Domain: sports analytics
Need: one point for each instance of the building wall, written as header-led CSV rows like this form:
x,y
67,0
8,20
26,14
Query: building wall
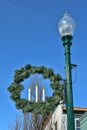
x,y
83,121
55,122
64,122
58,121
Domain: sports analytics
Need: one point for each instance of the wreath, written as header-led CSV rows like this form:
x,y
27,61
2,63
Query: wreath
x,y
30,106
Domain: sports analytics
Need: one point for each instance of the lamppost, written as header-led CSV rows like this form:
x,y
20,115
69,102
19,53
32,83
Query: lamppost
x,y
66,28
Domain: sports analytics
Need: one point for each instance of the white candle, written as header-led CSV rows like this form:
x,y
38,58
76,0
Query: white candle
x,y
29,94
36,93
43,94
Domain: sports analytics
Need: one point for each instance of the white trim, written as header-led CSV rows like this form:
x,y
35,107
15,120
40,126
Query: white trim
x,y
75,122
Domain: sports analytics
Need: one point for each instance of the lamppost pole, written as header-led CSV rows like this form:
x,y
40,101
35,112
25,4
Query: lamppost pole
x,y
69,95
66,29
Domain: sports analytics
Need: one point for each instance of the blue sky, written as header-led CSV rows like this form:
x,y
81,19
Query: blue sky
x,y
29,35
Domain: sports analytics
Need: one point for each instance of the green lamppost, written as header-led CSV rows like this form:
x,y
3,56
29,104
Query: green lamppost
x,y
66,28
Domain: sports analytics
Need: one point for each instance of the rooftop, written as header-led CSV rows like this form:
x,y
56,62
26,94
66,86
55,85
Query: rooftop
x,y
78,108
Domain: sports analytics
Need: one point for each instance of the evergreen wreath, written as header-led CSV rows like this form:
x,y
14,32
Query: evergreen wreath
x,y
41,107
